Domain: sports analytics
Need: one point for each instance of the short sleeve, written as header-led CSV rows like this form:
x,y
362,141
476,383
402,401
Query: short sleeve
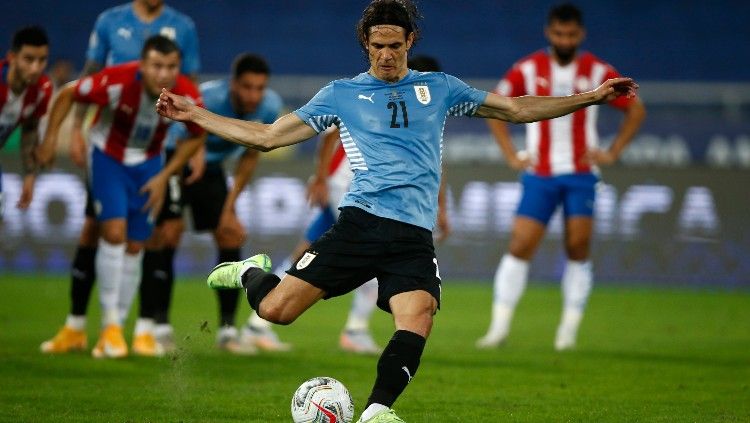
x,y
512,84
93,88
320,112
463,100
98,42
45,94
191,62
621,102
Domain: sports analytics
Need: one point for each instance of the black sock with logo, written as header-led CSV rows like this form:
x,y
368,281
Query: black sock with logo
x,y
397,366
257,285
82,277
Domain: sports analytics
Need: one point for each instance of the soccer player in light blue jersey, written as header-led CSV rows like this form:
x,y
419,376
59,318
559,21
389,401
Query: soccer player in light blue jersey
x,y
117,38
243,95
391,121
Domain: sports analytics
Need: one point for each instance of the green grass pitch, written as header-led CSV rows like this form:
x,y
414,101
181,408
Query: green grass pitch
x,y
644,355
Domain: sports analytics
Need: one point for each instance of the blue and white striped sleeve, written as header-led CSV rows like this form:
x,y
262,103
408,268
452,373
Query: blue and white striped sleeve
x,y
463,100
320,112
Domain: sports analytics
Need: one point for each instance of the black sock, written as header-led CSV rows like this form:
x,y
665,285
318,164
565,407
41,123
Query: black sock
x,y
228,297
163,288
82,277
257,285
150,278
397,366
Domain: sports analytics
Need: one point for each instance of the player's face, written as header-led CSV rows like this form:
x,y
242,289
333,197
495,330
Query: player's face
x,y
387,48
247,91
565,38
159,70
29,63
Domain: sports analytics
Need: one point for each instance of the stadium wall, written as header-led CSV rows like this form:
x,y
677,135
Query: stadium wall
x,y
654,225
650,40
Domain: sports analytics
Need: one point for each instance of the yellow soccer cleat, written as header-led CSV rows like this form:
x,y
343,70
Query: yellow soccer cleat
x,y
146,345
111,343
385,416
66,340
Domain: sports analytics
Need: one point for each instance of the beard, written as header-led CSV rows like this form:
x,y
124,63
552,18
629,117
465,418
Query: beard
x,y
565,55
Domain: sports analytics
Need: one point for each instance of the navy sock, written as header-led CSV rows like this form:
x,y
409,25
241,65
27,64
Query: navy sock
x,y
82,277
397,366
257,285
164,286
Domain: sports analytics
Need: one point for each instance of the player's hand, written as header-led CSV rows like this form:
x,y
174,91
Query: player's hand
x,y
44,154
77,148
173,106
615,87
155,189
230,230
27,192
443,227
197,165
600,157
520,161
317,191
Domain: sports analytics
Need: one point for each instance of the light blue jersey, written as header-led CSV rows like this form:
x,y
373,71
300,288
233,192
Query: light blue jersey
x,y
393,137
119,34
216,98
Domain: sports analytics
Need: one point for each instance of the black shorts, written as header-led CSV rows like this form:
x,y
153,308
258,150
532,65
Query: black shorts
x,y
361,246
206,198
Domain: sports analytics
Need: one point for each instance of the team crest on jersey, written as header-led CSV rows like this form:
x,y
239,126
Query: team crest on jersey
x,y
305,260
169,32
423,93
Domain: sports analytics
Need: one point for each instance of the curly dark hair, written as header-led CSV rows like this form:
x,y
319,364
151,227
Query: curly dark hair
x,y
401,13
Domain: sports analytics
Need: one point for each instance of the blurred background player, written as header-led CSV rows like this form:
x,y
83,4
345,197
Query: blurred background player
x,y
117,37
560,167
127,174
24,95
326,189
243,96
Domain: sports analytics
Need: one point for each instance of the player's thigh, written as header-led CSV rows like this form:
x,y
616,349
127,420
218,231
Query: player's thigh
x,y
526,235
140,221
579,197
578,233
89,231
289,299
109,183
114,230
540,197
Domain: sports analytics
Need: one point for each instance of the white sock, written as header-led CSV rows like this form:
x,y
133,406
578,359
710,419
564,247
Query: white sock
x,y
144,325
372,410
75,322
281,269
131,279
577,281
258,322
163,329
363,305
576,284
109,263
510,282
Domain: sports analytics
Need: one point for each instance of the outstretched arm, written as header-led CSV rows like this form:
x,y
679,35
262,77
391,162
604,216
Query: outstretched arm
x,y
531,108
45,152
287,130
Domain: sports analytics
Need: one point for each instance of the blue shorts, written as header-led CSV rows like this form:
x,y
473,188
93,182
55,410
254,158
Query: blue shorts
x,y
115,190
542,195
320,225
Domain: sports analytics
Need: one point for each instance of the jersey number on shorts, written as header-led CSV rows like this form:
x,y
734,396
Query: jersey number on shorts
x,y
394,115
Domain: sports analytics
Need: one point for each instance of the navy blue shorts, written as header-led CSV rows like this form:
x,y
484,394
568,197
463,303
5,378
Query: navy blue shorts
x,y
542,195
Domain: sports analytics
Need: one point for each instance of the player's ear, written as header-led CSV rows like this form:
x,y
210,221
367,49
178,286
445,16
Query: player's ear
x,y
409,40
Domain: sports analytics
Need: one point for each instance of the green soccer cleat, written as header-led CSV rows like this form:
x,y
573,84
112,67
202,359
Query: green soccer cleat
x,y
385,416
229,275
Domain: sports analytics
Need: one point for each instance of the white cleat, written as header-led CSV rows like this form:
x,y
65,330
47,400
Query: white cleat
x,y
565,338
491,340
359,342
228,340
264,339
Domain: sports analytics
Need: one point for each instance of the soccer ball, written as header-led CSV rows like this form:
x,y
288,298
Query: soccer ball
x,y
322,400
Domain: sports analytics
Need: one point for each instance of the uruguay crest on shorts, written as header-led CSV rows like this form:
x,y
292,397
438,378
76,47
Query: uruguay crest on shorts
x,y
423,93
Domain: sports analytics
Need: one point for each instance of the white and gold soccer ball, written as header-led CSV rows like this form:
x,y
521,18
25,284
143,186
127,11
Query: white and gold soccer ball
x,y
322,400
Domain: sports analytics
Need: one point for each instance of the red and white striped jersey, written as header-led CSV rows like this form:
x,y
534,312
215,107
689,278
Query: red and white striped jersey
x,y
558,146
30,104
340,176
127,126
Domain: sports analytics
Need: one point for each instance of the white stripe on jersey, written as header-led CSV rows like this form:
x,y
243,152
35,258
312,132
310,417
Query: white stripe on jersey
x,y
356,159
533,129
321,123
561,128
463,109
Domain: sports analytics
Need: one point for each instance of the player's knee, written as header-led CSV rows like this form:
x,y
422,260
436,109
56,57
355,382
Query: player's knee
x,y
114,236
577,247
521,248
276,313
